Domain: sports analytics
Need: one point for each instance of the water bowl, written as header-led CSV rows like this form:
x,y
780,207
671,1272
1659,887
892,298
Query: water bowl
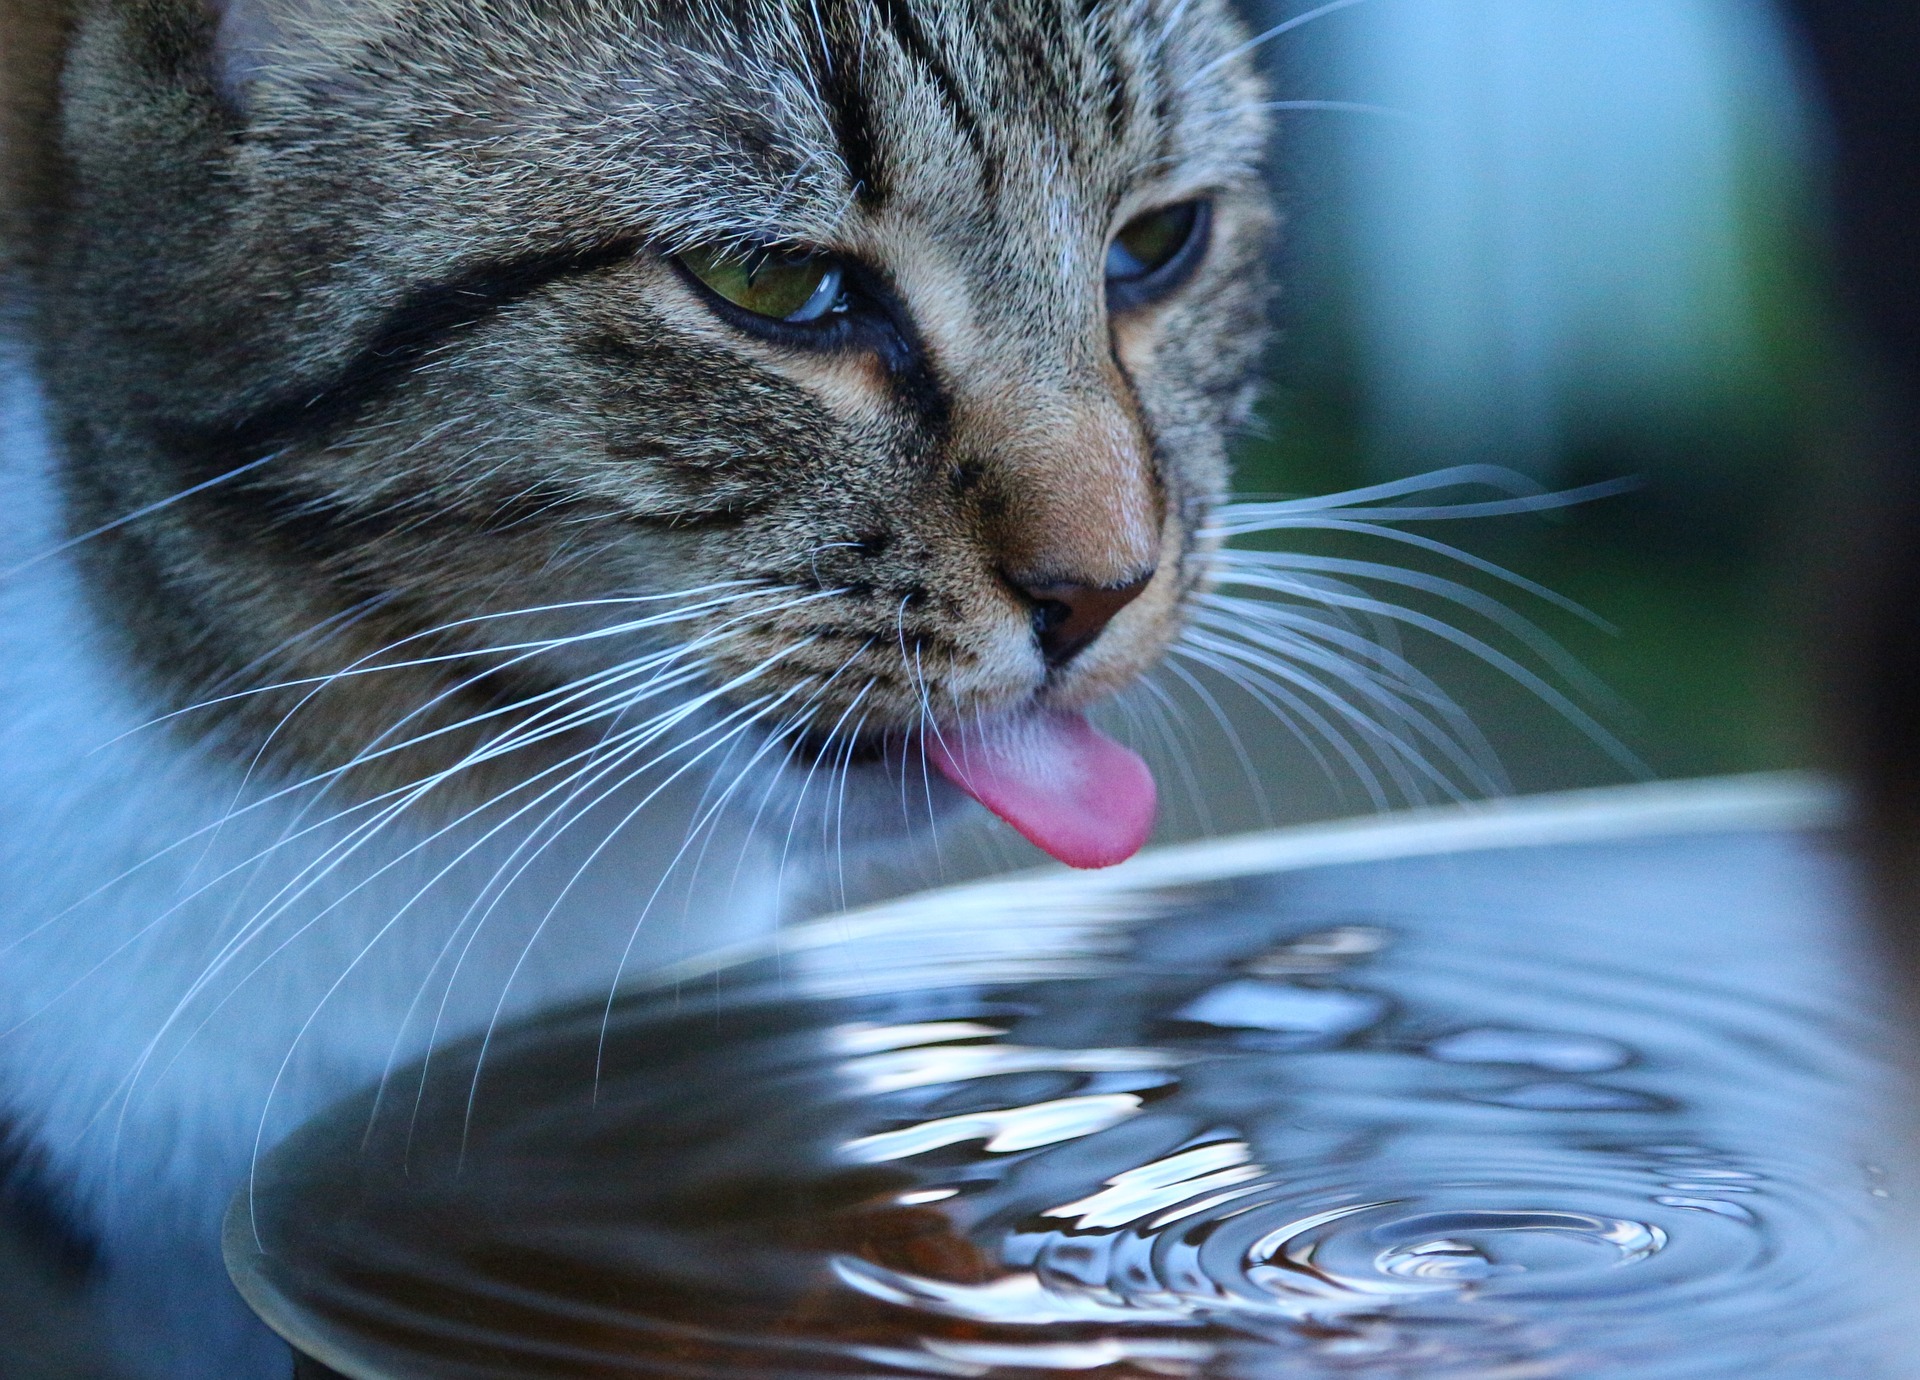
x,y
1587,1086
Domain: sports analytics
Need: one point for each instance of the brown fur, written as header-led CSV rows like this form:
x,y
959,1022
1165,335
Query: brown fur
x,y
419,253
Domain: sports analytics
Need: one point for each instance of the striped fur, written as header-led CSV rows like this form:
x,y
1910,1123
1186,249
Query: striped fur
x,y
368,310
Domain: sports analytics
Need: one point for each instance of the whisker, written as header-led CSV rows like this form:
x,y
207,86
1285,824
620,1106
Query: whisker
x,y
1174,731
281,904
1527,496
1242,618
1372,728
1227,728
606,841
1479,648
520,652
929,723
521,737
653,729
138,513
1296,715
790,729
729,728
1264,37
840,808
1440,548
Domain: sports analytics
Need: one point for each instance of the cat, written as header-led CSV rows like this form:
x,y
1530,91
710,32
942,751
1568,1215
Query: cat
x,y
476,469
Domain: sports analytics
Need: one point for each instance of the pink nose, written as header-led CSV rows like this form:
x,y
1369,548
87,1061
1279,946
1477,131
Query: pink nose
x,y
1067,618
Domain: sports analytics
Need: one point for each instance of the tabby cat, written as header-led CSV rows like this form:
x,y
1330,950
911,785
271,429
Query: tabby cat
x,y
474,466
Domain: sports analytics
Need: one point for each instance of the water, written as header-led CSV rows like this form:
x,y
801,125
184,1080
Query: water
x,y
1594,1109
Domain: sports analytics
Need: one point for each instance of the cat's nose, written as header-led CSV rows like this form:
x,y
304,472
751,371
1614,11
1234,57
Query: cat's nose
x,y
1067,618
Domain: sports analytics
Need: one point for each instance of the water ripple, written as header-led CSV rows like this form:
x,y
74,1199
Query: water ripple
x,y
1238,1134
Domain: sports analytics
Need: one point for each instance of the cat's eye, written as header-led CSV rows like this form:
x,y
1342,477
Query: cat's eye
x,y
1154,253
782,286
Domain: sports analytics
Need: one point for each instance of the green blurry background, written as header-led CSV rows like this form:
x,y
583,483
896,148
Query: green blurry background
x,y
1578,238
1569,118
1713,571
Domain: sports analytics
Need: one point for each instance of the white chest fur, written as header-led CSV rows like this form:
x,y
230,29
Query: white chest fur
x,y
190,964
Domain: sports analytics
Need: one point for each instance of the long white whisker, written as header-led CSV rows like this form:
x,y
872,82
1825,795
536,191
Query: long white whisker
x,y
367,665
1439,548
1263,37
486,1040
1482,650
307,783
1464,750
1248,620
1295,714
1402,751
653,729
1176,734
1265,575
1227,728
792,728
147,511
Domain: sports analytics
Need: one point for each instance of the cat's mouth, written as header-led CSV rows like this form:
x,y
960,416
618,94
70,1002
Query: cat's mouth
x,y
1065,786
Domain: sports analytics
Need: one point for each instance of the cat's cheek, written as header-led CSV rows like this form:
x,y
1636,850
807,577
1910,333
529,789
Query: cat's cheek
x,y
1004,668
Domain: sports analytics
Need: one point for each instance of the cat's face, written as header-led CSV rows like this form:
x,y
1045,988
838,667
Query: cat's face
x,y
892,335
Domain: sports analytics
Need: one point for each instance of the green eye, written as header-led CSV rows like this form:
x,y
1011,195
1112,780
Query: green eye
x,y
1147,244
768,282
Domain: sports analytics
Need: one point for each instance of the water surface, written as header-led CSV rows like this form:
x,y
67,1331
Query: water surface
x,y
1592,1109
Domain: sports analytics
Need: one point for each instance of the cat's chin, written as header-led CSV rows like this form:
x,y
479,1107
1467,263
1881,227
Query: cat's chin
x,y
889,798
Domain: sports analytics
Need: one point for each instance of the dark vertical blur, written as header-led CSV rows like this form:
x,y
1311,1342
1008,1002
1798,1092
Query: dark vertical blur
x,y
1866,53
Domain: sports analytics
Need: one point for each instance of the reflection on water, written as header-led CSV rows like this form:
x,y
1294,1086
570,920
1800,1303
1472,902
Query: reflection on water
x,y
1586,1110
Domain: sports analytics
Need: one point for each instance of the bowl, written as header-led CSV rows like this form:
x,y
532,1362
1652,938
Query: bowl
x,y
1598,1084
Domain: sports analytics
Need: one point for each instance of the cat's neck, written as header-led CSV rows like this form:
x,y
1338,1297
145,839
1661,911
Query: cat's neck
x,y
191,962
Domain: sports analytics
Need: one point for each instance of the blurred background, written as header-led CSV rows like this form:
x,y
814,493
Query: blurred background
x,y
1578,238
1581,239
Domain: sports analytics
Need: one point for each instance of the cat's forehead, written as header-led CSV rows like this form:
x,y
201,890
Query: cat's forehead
x,y
762,120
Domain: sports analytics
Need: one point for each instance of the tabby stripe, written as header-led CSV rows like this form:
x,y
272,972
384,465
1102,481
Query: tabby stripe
x,y
904,25
422,320
1115,76
852,121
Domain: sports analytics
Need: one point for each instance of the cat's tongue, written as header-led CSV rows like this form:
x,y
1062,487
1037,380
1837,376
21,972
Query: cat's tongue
x,y
1056,778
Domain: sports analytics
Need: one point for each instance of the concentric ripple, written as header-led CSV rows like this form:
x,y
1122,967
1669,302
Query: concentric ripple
x,y
1584,1112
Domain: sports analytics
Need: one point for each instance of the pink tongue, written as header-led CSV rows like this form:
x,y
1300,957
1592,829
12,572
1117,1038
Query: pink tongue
x,y
1056,778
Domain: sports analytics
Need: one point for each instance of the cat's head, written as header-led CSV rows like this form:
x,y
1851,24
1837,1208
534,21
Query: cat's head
x,y
868,362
